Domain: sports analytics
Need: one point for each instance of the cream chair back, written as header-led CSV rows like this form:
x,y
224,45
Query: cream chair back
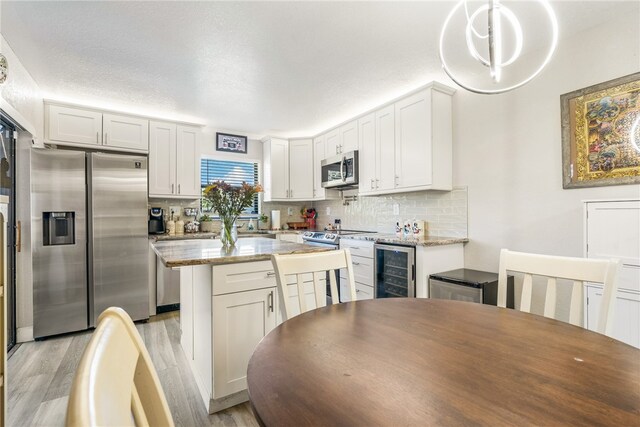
x,y
312,267
116,383
579,270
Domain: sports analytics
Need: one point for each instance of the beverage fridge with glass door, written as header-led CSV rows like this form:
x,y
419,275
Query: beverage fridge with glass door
x,y
395,271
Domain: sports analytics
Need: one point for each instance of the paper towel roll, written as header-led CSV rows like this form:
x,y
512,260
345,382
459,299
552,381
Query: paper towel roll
x,y
275,220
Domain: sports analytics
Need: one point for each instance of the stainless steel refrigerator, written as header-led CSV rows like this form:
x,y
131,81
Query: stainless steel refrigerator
x,y
89,237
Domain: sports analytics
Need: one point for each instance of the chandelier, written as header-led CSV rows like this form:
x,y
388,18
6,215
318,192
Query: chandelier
x,y
501,45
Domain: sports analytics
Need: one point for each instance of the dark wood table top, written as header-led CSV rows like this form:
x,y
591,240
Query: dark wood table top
x,y
409,361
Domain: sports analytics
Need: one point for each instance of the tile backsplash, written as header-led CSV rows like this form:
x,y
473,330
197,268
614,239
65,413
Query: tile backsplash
x,y
444,211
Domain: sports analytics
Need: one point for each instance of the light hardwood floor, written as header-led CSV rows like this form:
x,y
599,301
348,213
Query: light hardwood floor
x,y
40,375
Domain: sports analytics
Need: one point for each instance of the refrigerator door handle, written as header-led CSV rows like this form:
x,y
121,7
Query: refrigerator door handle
x,y
18,236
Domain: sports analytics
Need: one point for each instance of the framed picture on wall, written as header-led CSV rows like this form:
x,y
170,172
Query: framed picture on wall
x,y
601,134
231,143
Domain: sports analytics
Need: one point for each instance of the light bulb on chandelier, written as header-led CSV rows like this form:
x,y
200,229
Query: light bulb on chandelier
x,y
495,11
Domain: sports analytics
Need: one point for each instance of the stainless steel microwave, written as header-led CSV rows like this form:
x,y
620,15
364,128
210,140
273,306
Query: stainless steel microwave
x,y
340,170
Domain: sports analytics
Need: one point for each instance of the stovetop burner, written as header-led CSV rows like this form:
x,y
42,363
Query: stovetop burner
x,y
329,236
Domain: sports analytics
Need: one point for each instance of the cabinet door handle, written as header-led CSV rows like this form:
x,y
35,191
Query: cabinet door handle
x,y
290,193
178,188
271,301
396,180
271,273
172,188
355,263
358,291
377,181
372,180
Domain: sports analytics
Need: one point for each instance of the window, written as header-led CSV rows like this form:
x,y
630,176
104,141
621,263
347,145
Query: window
x,y
230,172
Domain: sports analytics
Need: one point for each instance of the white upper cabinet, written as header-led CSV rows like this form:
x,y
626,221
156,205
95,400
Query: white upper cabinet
x,y
349,137
174,160
162,159
367,153
276,169
288,169
332,143
188,161
424,141
125,132
385,142
413,144
73,125
300,172
318,157
342,139
86,127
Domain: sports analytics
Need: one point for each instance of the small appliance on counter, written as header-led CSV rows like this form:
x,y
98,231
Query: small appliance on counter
x,y
275,220
465,284
156,221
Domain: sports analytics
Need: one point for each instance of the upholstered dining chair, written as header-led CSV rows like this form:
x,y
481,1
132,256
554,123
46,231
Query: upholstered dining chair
x,y
578,270
116,383
310,270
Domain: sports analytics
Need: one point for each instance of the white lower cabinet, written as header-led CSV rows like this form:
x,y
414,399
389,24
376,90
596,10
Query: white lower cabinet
x,y
240,321
626,318
225,311
362,260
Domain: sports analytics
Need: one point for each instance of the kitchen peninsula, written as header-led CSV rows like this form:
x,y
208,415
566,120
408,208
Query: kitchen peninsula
x,y
228,302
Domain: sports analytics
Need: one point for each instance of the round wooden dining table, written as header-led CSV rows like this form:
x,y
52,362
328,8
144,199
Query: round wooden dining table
x,y
408,361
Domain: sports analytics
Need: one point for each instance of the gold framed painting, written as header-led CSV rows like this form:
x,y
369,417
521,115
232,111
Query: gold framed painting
x,y
601,134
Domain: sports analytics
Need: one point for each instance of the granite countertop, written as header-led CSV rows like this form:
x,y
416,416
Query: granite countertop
x,y
410,241
180,253
216,234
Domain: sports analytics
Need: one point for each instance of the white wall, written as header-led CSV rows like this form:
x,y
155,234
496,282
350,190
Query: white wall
x,y
20,95
508,151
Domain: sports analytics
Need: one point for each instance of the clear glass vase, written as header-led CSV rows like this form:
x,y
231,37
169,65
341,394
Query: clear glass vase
x,y
228,233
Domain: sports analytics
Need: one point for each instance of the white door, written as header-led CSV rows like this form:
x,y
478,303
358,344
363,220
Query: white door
x,y
130,133
318,157
74,125
413,141
349,137
279,169
626,317
301,169
613,230
162,159
385,151
332,143
188,161
240,321
367,153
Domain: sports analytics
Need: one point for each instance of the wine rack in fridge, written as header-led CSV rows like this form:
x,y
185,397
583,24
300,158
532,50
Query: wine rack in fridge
x,y
395,273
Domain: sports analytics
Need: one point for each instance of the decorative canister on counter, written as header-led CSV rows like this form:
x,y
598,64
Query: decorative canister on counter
x,y
206,224
419,228
179,226
171,227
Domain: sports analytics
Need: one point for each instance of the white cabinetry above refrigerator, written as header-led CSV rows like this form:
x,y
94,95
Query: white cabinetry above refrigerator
x,y
85,127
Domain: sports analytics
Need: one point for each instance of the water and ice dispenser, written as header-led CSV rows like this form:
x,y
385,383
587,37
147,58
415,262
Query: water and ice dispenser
x,y
58,228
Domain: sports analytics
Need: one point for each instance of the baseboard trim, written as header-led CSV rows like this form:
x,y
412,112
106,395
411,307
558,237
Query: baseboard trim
x,y
24,334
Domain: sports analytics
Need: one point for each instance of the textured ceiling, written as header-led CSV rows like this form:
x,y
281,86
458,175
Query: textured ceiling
x,y
280,68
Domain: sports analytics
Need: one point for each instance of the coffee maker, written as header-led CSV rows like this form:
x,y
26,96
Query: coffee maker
x,y
156,221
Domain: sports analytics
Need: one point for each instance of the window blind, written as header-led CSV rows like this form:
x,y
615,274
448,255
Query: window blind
x,y
231,172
